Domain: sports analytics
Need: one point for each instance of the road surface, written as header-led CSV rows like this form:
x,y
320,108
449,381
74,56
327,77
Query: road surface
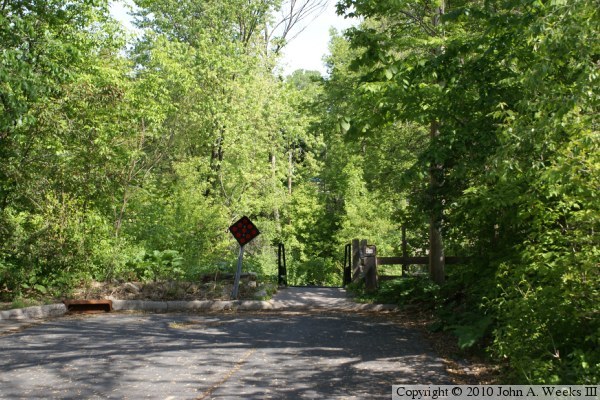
x,y
244,355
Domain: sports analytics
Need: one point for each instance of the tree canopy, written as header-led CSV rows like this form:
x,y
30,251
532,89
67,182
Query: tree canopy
x,y
472,122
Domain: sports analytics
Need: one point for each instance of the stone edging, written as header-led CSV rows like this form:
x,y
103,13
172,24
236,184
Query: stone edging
x,y
35,312
57,310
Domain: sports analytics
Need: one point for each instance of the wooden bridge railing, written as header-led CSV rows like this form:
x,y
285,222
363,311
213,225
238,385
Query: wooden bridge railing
x,y
364,262
281,265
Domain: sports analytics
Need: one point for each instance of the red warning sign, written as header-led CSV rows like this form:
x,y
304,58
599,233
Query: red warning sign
x,y
244,231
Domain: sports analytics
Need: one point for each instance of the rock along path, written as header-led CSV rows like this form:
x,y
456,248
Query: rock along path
x,y
228,355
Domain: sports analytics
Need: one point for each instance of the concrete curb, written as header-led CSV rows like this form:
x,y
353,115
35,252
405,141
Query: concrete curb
x,y
35,312
57,310
167,306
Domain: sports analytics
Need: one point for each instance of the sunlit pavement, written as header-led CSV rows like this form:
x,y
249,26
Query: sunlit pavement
x,y
279,355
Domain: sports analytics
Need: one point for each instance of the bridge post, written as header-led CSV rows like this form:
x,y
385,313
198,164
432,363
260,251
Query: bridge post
x,y
370,261
281,265
347,264
363,249
356,270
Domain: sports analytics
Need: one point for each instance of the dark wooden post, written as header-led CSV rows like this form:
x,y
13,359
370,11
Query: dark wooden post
x,y
362,251
355,260
437,260
404,251
363,248
347,264
370,268
281,266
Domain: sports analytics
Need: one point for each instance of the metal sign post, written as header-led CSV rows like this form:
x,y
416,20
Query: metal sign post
x,y
238,273
243,231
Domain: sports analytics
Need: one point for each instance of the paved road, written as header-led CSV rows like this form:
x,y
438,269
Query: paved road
x,y
315,297
283,355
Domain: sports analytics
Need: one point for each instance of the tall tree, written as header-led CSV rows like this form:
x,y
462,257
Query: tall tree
x,y
497,84
391,57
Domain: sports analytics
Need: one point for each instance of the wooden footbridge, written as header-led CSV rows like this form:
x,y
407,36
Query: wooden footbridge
x,y
361,262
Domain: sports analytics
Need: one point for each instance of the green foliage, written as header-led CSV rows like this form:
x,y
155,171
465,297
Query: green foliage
x,y
470,334
406,291
511,87
160,266
130,162
318,272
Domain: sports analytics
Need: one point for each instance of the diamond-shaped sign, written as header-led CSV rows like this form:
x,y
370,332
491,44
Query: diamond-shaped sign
x,y
244,231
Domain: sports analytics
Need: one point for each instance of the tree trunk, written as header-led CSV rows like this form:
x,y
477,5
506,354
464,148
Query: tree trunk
x,y
436,246
437,262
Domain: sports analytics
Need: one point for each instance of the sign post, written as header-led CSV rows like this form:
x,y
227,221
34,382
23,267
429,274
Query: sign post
x,y
243,231
238,273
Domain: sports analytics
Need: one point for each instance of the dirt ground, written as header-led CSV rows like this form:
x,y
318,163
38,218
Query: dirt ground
x,y
465,368
184,291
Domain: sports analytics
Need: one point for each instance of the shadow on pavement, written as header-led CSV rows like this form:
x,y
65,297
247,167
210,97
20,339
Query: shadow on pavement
x,y
183,356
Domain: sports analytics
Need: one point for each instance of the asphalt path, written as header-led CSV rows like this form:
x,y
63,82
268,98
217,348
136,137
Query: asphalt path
x,y
266,355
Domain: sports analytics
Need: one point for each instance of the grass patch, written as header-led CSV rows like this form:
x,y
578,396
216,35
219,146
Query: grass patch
x,y
402,291
21,302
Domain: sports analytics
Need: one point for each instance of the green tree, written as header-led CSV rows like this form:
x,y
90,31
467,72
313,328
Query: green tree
x,y
511,89
62,99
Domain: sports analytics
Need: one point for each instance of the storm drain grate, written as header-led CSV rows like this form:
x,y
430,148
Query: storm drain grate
x,y
88,306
